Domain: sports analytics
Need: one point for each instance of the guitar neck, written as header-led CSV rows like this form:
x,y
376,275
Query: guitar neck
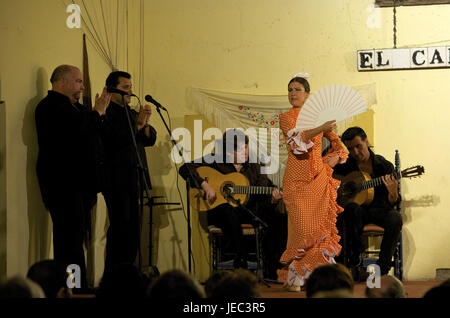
x,y
252,190
373,183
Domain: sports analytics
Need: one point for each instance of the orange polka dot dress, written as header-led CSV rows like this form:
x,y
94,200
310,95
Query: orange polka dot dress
x,y
309,194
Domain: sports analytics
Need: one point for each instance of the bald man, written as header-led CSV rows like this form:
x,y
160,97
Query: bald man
x,y
65,161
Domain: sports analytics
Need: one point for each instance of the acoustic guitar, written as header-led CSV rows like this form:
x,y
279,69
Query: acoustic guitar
x,y
358,186
234,184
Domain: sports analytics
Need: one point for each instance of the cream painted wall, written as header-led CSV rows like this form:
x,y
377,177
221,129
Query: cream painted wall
x,y
35,40
32,51
251,46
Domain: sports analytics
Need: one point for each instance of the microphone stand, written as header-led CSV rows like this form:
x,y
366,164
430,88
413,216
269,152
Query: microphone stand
x,y
140,176
187,184
151,204
260,227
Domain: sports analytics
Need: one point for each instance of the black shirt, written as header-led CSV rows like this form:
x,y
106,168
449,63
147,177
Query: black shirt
x,y
65,160
380,167
121,159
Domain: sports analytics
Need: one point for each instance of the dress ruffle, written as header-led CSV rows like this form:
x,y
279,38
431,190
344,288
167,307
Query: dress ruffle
x,y
300,261
295,141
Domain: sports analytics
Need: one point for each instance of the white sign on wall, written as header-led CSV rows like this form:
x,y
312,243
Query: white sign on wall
x,y
397,59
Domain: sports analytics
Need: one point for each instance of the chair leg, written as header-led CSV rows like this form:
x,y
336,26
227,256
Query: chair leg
x,y
214,252
398,259
344,244
259,255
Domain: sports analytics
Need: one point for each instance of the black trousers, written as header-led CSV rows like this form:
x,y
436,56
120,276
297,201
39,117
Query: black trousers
x,y
355,217
273,238
229,219
69,215
122,238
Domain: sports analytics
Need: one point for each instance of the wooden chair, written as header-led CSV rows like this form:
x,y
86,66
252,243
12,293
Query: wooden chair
x,y
373,231
219,255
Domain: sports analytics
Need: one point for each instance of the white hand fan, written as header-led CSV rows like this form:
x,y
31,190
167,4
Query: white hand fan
x,y
334,102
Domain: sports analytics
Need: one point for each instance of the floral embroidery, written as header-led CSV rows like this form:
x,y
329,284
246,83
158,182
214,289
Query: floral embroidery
x,y
260,119
265,122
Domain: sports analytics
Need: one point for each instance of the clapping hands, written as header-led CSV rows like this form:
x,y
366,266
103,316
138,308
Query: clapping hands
x,y
144,115
102,101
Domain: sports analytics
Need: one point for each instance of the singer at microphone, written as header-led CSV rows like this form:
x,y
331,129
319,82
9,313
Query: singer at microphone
x,y
125,135
121,92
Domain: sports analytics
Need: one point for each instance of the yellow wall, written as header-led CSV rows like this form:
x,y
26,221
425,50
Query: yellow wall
x,y
30,50
251,46
35,40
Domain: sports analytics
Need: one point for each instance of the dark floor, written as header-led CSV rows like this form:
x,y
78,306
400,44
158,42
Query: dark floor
x,y
414,289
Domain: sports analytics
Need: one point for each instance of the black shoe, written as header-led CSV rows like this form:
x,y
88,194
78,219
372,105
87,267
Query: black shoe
x,y
355,260
384,270
363,274
356,273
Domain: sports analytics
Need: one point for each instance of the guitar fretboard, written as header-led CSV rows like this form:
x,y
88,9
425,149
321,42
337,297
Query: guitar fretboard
x,y
371,183
251,190
375,182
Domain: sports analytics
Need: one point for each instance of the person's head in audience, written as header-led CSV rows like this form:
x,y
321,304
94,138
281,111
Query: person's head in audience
x,y
329,277
20,287
175,284
240,283
390,287
52,277
337,293
440,291
214,280
122,281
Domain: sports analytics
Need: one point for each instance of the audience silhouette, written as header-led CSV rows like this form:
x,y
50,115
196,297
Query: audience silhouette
x,y
48,279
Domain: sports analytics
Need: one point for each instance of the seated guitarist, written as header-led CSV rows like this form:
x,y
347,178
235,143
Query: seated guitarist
x,y
228,218
381,211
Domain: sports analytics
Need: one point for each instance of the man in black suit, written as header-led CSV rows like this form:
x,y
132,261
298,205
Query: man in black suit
x,y
234,157
65,161
125,180
381,211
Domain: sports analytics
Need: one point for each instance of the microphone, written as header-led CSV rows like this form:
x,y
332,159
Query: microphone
x,y
150,99
118,91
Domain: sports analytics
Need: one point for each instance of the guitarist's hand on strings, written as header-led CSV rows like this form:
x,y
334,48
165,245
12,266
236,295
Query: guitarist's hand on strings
x,y
392,186
209,191
276,195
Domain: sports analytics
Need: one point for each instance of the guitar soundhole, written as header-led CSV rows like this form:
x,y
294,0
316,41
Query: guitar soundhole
x,y
350,189
227,188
